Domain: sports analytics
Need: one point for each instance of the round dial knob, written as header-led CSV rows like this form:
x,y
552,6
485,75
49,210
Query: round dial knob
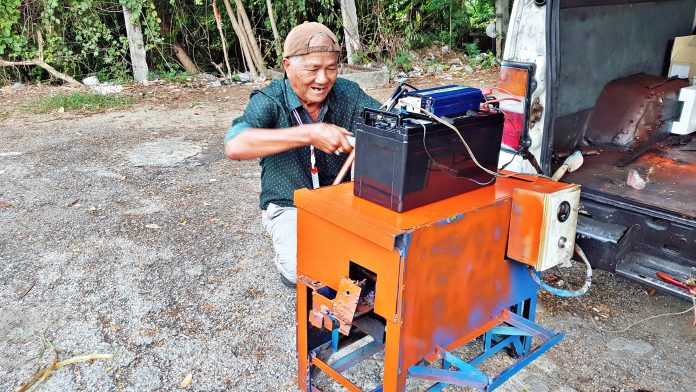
x,y
564,211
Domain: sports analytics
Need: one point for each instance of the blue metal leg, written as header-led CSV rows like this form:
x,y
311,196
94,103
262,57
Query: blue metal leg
x,y
530,314
334,333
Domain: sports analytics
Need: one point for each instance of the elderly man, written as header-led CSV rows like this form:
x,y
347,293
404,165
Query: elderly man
x,y
298,127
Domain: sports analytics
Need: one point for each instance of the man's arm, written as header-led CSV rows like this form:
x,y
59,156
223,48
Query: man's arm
x,y
254,134
252,143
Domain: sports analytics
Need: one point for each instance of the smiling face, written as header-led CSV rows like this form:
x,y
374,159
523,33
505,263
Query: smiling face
x,y
313,75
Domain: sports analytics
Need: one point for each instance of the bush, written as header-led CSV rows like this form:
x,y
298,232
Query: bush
x,y
472,49
403,61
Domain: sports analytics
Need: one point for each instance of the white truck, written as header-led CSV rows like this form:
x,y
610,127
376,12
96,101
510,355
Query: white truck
x,y
591,75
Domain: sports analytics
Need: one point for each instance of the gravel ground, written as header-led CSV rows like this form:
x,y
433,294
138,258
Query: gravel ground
x,y
129,233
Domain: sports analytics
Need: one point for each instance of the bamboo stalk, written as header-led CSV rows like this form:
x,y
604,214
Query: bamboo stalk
x,y
250,35
247,39
218,22
240,35
276,37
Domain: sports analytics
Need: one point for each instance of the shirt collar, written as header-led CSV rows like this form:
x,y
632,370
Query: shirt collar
x,y
291,99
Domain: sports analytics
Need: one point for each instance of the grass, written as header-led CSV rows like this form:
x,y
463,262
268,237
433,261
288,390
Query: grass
x,y
90,102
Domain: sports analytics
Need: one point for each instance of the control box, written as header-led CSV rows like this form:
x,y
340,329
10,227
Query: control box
x,y
542,225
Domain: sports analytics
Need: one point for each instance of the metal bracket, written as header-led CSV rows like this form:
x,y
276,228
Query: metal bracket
x,y
337,314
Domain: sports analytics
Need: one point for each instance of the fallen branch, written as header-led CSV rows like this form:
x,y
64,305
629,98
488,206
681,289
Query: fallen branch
x,y
45,66
39,377
184,59
41,63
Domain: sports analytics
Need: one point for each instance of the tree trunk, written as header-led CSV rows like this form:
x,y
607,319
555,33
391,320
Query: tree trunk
x,y
136,46
350,28
256,51
502,20
240,36
276,37
178,50
184,59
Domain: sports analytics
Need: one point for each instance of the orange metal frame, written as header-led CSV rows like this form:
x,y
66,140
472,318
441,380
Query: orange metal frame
x,y
442,275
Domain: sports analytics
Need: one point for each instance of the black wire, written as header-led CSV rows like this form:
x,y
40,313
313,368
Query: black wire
x,y
398,92
522,148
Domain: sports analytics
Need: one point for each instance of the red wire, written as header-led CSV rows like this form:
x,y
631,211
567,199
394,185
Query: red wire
x,y
501,99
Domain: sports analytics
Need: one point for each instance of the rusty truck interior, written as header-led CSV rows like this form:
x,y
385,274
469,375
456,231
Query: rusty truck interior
x,y
613,101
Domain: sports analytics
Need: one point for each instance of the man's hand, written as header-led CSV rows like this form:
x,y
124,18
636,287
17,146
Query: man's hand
x,y
329,138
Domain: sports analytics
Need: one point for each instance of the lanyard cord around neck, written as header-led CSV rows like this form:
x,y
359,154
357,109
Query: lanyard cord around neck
x,y
312,159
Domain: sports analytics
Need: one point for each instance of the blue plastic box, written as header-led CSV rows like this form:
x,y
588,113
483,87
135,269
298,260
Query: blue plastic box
x,y
449,101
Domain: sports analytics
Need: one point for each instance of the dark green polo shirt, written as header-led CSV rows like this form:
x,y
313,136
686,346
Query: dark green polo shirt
x,y
287,171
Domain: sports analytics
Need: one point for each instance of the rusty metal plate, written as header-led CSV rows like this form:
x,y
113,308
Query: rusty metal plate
x,y
632,112
345,303
319,315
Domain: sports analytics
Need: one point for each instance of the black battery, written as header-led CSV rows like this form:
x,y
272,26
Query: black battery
x,y
404,161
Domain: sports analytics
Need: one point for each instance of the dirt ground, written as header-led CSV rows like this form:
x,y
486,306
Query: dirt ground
x,y
129,233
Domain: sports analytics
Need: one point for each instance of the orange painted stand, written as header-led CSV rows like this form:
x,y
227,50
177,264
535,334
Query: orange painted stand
x,y
439,272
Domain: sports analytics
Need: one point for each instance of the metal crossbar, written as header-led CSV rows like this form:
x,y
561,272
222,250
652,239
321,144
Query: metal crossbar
x,y
512,328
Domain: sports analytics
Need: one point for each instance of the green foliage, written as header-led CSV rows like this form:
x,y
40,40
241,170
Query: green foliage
x,y
83,101
391,26
10,16
472,48
80,37
88,37
487,60
480,13
174,76
360,57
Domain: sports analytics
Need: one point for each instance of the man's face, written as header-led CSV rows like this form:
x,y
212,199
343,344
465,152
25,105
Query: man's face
x,y
312,76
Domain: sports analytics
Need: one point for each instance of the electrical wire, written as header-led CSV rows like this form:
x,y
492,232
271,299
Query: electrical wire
x,y
497,174
447,170
512,123
466,145
536,276
398,92
634,324
597,326
489,91
501,99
